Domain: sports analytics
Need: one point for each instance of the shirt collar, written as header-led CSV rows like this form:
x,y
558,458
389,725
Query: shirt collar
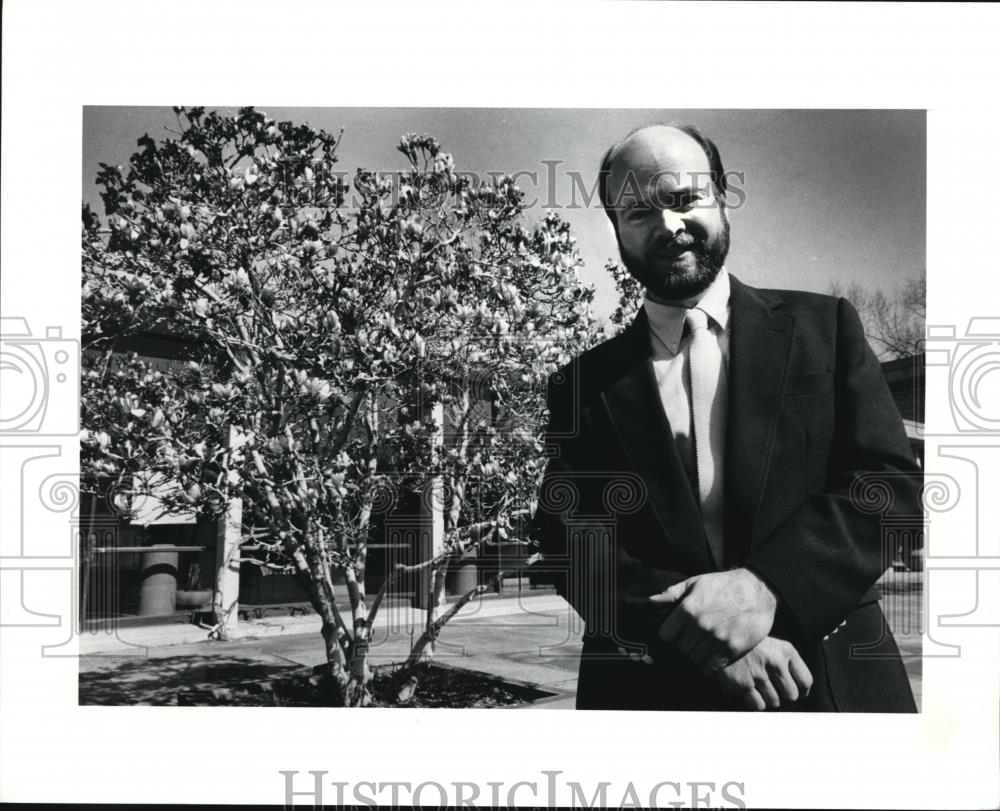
x,y
666,321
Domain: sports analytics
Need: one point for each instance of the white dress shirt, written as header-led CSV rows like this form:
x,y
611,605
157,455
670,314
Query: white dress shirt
x,y
670,355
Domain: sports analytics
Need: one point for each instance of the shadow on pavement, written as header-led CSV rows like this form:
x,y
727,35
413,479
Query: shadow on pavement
x,y
156,681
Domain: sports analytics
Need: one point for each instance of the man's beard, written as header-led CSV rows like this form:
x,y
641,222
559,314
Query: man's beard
x,y
680,284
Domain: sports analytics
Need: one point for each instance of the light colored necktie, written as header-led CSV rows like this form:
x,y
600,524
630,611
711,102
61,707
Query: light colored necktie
x,y
708,421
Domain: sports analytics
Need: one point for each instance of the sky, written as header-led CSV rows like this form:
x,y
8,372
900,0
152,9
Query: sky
x,y
830,195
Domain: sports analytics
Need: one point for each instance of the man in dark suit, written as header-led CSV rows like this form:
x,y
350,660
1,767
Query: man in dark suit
x,y
722,472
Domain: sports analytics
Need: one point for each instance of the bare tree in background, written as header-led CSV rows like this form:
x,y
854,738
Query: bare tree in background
x,y
893,321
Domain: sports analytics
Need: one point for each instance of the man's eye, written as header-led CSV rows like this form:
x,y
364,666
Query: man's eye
x,y
638,212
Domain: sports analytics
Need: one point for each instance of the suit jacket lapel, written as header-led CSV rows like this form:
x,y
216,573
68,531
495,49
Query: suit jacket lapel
x,y
760,339
633,404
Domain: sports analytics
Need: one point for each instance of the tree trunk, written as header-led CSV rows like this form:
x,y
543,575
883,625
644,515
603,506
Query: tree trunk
x,y
357,693
405,681
319,589
334,682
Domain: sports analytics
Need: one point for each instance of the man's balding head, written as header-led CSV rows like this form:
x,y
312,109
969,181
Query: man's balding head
x,y
673,143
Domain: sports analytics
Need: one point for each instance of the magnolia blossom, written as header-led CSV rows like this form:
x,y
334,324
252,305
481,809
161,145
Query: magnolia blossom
x,y
319,343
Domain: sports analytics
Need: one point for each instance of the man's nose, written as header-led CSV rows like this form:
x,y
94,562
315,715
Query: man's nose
x,y
671,222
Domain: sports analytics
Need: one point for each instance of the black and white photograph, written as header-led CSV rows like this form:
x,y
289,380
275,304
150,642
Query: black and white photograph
x,y
397,373
379,401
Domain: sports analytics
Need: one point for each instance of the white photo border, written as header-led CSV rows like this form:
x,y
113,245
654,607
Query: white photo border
x,y
61,55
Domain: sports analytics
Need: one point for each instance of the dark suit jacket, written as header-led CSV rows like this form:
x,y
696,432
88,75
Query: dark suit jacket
x,y
817,469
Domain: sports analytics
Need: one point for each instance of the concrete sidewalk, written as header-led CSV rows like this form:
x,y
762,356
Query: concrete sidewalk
x,y
523,638
533,639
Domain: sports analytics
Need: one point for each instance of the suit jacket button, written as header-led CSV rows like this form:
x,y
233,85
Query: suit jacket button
x,y
825,638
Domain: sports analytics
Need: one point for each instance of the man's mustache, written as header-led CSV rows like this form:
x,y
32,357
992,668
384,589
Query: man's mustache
x,y
669,248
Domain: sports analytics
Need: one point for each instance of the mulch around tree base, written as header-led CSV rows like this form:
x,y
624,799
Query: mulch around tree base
x,y
234,682
440,687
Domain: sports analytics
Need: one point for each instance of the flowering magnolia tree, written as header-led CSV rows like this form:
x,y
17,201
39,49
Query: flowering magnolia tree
x,y
630,293
326,340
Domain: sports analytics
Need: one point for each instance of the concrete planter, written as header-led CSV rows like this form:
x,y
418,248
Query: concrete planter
x,y
507,556
199,598
158,589
914,560
463,574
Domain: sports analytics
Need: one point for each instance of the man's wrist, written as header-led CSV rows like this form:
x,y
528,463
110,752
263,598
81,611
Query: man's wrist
x,y
768,594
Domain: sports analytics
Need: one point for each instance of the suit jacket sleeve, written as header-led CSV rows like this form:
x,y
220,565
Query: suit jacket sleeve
x,y
582,556
832,548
